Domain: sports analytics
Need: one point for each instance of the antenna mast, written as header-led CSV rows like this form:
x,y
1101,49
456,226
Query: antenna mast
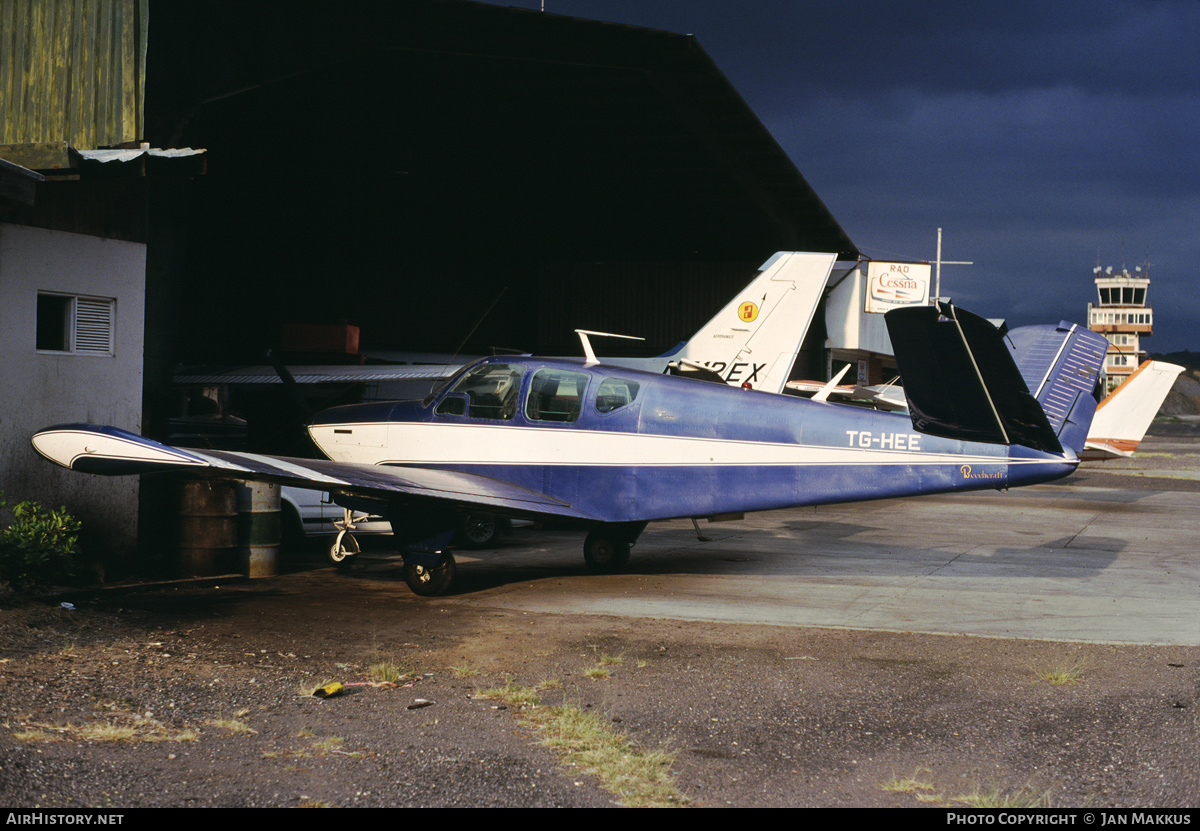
x,y
937,272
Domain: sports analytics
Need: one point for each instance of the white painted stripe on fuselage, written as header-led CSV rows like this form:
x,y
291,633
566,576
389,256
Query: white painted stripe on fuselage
x,y
423,443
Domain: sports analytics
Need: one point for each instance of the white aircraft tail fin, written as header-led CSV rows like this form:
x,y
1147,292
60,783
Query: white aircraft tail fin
x,y
756,337
1123,418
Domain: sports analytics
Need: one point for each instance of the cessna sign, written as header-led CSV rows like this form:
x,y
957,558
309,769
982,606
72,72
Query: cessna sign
x,y
891,285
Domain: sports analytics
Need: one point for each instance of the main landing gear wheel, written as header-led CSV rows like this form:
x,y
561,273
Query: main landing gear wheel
x,y
431,582
605,553
478,532
343,550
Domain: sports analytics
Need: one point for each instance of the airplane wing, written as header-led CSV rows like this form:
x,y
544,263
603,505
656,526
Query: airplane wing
x,y
113,452
882,396
319,374
1123,418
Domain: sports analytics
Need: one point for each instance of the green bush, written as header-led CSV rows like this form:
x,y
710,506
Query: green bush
x,y
39,548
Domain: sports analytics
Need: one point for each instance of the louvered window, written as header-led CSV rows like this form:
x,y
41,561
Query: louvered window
x,y
74,324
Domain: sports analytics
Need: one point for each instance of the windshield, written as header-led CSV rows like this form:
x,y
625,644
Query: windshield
x,y
492,390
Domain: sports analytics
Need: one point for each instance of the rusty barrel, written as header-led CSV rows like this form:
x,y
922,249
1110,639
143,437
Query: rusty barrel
x,y
207,528
259,528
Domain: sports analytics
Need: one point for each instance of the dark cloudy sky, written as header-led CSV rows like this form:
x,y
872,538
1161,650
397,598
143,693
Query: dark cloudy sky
x,y
1039,135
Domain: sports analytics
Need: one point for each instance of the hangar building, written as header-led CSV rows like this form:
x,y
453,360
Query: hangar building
x,y
443,175
403,166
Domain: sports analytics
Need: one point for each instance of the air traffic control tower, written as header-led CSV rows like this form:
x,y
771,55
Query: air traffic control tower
x,y
1123,317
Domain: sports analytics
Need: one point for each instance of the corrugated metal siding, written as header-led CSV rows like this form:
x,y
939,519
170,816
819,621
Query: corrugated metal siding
x,y
72,70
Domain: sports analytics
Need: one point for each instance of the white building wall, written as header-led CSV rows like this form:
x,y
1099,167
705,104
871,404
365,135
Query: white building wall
x,y
847,324
38,389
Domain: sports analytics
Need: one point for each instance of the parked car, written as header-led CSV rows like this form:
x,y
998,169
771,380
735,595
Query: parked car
x,y
306,513
310,513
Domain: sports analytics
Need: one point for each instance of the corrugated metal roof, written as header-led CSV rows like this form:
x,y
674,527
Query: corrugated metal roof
x,y
72,70
104,156
18,185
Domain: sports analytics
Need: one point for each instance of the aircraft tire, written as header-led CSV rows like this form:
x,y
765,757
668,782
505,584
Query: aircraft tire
x,y
480,531
605,553
432,582
343,551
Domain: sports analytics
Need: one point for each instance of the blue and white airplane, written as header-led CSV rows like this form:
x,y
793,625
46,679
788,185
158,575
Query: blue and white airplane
x,y
613,448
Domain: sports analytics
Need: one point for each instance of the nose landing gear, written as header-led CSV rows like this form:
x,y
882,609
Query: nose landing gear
x,y
345,547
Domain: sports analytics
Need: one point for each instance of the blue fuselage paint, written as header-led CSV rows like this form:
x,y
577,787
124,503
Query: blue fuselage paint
x,y
682,448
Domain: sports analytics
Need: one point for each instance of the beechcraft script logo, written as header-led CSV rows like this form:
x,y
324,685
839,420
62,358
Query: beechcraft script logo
x,y
967,473
747,311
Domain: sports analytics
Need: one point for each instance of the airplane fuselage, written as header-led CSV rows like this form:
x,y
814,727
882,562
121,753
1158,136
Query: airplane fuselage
x,y
621,445
612,448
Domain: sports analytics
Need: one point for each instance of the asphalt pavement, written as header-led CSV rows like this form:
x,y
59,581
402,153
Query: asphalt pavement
x,y
1105,556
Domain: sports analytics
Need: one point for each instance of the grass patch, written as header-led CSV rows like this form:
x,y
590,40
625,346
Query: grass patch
x,y
325,746
920,786
333,745
37,734
317,748
513,694
598,673
917,783
642,779
1066,671
996,797
388,672
466,671
233,725
105,732
132,729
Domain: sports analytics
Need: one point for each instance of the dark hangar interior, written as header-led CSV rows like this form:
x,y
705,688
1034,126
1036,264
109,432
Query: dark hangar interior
x,y
451,175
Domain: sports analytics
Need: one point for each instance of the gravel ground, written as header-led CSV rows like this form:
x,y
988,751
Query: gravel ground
x,y
210,679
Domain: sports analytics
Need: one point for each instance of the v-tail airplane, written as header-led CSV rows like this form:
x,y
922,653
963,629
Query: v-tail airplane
x,y
1122,417
612,449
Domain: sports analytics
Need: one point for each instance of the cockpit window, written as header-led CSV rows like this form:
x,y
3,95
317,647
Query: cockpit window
x,y
555,395
492,390
615,393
